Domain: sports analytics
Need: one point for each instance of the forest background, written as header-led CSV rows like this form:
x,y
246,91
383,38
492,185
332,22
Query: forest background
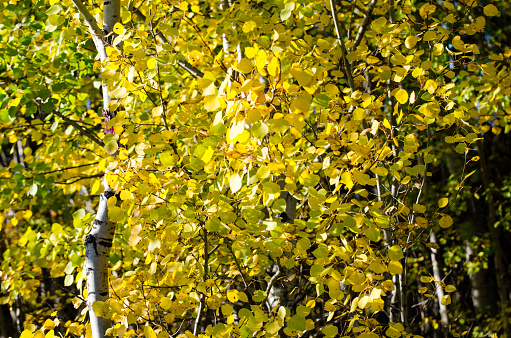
x,y
255,168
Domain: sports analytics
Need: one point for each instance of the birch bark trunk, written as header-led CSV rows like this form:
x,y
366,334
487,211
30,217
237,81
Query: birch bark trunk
x,y
99,241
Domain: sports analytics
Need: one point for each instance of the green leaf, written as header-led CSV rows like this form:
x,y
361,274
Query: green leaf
x,y
111,147
259,296
80,213
55,9
287,11
296,323
395,253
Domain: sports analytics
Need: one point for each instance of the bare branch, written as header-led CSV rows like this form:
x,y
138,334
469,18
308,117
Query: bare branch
x,y
347,65
365,23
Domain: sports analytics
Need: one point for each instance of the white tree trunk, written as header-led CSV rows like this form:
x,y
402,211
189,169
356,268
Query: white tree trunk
x,y
437,274
99,241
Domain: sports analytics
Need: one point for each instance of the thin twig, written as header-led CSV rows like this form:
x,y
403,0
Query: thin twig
x,y
82,130
365,23
183,64
347,65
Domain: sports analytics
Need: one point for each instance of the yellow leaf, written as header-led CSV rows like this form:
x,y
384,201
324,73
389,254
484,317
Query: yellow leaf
x,y
442,203
446,221
211,103
208,154
251,52
490,10
438,49
450,288
149,332
363,302
235,182
359,114
157,111
166,159
458,43
378,24
411,41
49,324
346,179
26,334
303,76
95,187
395,268
100,308
388,285
429,35
151,63
402,96
232,296
236,129
386,124
249,26
245,66
446,300
118,28
273,67
430,86
261,61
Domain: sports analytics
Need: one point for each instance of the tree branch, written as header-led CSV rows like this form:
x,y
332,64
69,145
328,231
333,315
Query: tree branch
x,y
347,65
97,33
365,23
82,130
183,64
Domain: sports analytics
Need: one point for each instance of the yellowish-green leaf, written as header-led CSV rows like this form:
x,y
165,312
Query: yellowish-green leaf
x,y
442,203
100,308
402,96
431,86
395,268
245,66
446,221
149,332
450,288
395,253
411,41
359,114
490,10
446,300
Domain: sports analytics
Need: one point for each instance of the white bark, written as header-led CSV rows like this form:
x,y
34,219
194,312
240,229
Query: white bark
x,y
438,278
99,241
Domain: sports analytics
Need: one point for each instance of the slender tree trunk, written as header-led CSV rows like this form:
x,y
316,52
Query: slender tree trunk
x,y
99,241
437,274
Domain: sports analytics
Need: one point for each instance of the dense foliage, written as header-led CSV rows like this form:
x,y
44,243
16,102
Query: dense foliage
x,y
280,168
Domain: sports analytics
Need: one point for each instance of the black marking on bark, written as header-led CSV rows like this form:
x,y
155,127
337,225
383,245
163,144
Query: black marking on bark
x,y
98,222
103,294
105,242
109,193
91,239
106,3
